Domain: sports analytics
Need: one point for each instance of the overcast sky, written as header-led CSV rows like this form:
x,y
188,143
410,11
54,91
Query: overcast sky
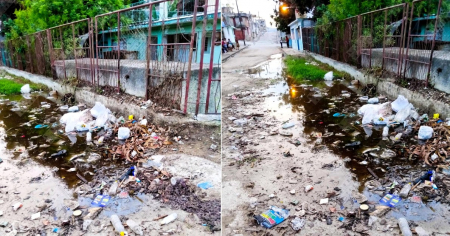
x,y
262,7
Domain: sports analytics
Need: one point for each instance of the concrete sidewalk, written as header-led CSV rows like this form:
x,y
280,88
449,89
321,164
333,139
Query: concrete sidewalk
x,y
226,56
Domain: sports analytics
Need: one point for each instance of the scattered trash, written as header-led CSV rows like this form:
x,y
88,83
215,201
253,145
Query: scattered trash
x,y
272,217
373,101
341,219
308,188
25,89
101,200
59,154
436,116
17,206
123,133
338,115
297,223
364,207
390,200
323,201
117,224
425,132
416,199
404,227
36,216
135,227
73,109
400,103
205,185
328,76
288,125
40,126
77,213
169,219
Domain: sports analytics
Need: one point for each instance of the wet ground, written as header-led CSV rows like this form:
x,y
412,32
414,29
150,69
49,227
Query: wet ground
x,y
44,184
255,164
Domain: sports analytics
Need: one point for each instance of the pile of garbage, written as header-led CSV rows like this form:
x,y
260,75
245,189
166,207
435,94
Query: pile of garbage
x,y
135,137
403,118
178,192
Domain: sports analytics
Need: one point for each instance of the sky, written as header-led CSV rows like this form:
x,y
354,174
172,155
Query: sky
x,y
262,7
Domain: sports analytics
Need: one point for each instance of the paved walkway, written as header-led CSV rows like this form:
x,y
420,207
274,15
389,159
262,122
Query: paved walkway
x,y
227,55
292,52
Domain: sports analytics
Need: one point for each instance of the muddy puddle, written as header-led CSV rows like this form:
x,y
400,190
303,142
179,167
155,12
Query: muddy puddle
x,y
325,114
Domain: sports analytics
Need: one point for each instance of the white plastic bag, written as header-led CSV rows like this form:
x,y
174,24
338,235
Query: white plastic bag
x,y
329,76
99,109
25,89
373,101
425,132
400,103
369,116
71,120
73,109
81,127
123,133
403,114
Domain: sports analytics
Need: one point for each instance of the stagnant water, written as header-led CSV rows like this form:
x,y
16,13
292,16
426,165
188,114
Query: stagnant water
x,y
18,117
316,122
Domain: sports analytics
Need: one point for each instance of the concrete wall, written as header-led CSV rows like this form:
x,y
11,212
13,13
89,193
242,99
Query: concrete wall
x,y
388,88
132,80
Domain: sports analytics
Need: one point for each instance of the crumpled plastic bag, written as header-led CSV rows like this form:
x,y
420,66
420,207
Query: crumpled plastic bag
x,y
25,89
123,133
425,132
400,103
101,113
71,120
403,114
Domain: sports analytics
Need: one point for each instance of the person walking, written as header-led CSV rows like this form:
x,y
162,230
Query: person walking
x,y
281,42
287,41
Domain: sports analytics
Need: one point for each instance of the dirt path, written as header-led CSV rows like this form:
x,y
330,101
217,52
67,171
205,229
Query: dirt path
x,y
257,174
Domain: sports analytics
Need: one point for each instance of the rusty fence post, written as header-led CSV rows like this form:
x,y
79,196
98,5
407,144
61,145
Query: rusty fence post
x,y
191,51
211,61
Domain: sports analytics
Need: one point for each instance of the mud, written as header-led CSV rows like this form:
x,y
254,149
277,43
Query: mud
x,y
258,173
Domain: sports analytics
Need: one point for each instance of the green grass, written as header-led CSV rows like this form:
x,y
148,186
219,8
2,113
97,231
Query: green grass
x,y
297,70
9,87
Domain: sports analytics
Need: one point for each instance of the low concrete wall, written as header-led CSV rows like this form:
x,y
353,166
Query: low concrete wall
x,y
89,97
132,80
390,89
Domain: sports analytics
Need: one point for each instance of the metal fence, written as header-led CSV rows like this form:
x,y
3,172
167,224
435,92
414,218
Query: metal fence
x,y
400,39
164,50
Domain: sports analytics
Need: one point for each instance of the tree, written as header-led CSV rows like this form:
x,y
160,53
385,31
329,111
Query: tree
x,y
36,15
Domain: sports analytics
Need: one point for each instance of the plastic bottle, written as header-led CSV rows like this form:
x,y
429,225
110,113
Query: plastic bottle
x,y
117,225
405,190
135,227
385,131
100,140
404,227
113,189
17,206
169,219
89,137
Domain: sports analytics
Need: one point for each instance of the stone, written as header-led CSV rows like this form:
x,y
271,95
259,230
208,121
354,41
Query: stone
x,y
240,122
238,130
72,205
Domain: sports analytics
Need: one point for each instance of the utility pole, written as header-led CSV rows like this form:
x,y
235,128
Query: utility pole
x,y
240,21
